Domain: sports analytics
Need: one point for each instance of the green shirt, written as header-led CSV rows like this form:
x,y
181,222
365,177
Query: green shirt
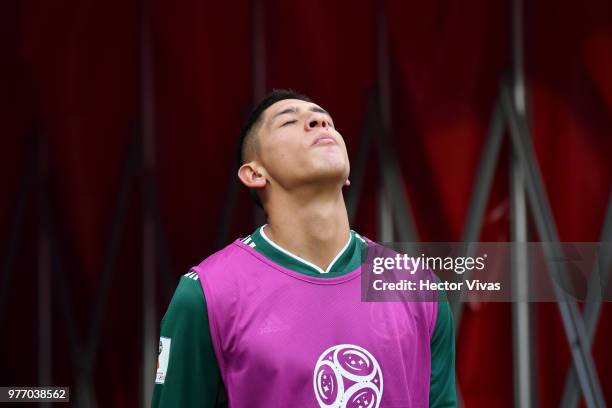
x,y
192,377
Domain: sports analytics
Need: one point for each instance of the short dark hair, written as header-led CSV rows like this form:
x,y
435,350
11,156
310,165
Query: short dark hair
x,y
247,133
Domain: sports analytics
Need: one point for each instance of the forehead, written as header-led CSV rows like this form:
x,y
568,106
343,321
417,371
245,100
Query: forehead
x,y
287,104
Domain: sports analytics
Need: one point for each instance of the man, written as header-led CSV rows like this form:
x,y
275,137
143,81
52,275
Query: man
x,y
275,319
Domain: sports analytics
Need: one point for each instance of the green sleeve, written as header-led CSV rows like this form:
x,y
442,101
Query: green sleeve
x,y
192,378
442,381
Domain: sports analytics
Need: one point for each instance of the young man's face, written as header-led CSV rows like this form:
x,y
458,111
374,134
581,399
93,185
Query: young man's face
x,y
298,144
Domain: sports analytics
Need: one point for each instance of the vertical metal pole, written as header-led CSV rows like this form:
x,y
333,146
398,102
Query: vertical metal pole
x,y
570,314
522,333
519,94
385,217
521,325
44,273
479,196
391,177
149,326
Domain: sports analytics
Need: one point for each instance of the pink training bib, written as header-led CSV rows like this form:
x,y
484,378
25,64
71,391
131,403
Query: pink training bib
x,y
284,339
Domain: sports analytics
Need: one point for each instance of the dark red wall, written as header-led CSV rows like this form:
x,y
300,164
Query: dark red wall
x,y
70,74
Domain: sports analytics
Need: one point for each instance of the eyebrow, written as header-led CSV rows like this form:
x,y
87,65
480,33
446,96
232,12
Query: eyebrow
x,y
295,110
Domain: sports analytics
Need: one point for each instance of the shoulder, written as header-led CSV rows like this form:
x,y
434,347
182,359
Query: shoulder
x,y
229,255
361,238
188,297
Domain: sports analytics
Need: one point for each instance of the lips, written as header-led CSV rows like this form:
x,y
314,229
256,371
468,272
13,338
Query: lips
x,y
324,139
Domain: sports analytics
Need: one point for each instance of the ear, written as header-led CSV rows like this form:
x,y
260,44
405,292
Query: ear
x,y
251,176
347,183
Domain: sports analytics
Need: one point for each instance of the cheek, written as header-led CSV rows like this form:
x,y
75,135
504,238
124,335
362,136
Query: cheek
x,y
281,150
341,140
280,155
343,147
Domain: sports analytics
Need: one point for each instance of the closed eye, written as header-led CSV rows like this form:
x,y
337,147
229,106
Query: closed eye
x,y
289,122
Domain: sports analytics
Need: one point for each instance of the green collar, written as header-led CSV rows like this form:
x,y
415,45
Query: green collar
x,y
346,261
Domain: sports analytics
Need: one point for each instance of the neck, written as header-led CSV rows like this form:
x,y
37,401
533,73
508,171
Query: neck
x,y
314,228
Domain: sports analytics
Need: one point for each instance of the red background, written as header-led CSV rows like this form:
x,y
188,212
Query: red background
x,y
70,73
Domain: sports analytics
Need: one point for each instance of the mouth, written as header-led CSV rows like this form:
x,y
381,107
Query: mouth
x,y
324,139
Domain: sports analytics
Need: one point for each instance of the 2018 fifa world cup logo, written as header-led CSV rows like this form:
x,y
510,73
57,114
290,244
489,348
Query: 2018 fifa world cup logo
x,y
347,376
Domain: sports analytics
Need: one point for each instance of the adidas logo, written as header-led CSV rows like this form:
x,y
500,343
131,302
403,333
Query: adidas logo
x,y
272,325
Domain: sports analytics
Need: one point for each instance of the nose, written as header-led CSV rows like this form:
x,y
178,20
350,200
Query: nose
x,y
317,120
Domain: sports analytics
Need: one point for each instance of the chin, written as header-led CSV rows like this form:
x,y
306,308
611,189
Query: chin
x,y
330,171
